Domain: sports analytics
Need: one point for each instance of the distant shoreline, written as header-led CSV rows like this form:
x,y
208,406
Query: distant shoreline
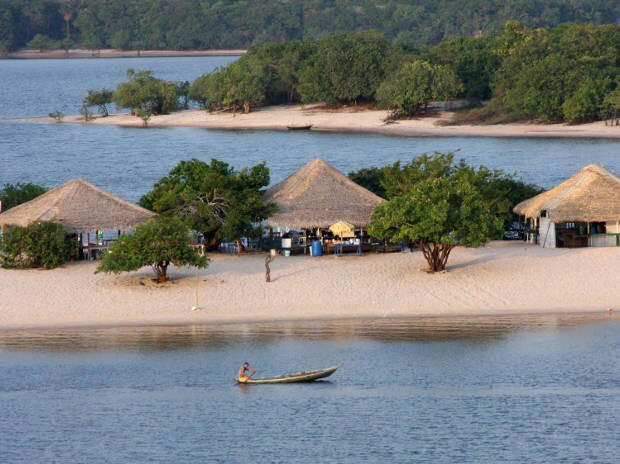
x,y
114,53
347,119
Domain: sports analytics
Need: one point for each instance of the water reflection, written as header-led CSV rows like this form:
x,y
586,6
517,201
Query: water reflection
x,y
170,338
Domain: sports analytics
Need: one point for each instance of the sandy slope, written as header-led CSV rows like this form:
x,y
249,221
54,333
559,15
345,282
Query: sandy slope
x,y
501,278
350,120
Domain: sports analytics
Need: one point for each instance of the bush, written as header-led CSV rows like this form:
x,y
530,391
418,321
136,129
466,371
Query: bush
x,y
56,115
415,85
145,92
42,245
12,195
158,243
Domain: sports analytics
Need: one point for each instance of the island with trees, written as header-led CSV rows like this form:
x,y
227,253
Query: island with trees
x,y
568,74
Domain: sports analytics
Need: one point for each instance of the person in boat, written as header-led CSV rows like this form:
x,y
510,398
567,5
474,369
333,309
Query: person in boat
x,y
245,372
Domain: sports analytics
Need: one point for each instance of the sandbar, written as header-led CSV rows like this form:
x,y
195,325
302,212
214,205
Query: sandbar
x,y
502,278
348,119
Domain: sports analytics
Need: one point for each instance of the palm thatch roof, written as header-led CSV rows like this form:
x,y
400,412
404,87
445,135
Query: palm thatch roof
x,y
79,206
318,195
590,195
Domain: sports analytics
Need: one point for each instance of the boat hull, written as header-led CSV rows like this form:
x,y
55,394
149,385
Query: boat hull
x,y
298,377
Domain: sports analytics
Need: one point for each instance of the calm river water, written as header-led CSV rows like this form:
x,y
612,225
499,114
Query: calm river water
x,y
530,390
511,389
127,161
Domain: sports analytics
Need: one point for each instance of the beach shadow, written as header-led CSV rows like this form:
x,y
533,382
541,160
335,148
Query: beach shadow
x,y
289,274
471,262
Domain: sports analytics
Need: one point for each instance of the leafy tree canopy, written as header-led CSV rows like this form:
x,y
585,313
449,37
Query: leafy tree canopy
x,y
415,85
12,195
159,242
204,24
437,214
499,190
40,245
101,99
217,200
142,91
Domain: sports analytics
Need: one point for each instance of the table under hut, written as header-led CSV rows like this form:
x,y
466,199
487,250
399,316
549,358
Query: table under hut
x,y
319,204
93,216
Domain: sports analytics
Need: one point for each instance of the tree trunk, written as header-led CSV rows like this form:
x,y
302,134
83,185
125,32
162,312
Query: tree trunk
x,y
436,255
161,271
268,260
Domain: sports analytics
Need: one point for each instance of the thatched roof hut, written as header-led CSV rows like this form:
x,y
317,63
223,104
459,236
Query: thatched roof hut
x,y
80,207
590,195
318,195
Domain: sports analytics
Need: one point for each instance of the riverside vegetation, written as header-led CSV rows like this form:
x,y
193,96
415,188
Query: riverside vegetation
x,y
204,24
567,74
434,203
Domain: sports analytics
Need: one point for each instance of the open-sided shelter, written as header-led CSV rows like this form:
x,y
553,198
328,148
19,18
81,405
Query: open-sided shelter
x,y
582,211
317,196
93,214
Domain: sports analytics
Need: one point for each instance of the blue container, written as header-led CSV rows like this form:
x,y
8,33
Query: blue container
x,y
317,248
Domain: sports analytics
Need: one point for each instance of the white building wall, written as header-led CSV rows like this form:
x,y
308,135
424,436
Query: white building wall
x,y
546,232
612,227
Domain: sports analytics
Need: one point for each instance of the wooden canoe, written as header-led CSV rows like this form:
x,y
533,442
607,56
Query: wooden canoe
x,y
306,127
306,376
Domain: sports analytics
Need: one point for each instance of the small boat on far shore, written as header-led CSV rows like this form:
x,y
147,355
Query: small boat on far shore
x,y
306,127
306,376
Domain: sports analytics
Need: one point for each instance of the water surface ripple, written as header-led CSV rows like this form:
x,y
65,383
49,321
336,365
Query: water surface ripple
x,y
529,389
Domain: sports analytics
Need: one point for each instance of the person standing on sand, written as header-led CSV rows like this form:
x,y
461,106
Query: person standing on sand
x,y
244,372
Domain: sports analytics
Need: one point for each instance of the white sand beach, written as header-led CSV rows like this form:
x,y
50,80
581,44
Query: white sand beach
x,y
349,119
501,278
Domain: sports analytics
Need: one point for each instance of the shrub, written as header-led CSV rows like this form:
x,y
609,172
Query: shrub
x,y
41,245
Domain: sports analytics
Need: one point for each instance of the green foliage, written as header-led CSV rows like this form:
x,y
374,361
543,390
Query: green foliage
x,y
415,85
145,115
217,200
41,42
561,74
473,62
204,24
12,195
144,92
344,68
56,115
500,191
158,243
611,107
371,179
438,213
41,245
101,99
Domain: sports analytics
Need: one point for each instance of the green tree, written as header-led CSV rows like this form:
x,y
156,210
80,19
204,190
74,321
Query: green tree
x,y
500,191
143,91
438,214
611,107
101,99
415,85
217,200
344,68
371,179
39,245
585,104
12,195
158,242
41,42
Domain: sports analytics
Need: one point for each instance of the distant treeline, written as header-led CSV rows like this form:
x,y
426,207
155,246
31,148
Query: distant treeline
x,y
570,73
205,24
